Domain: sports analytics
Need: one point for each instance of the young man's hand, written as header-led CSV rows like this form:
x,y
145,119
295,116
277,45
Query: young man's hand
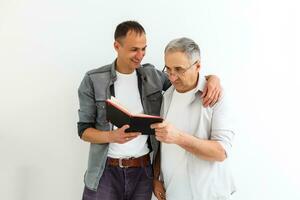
x,y
212,91
119,136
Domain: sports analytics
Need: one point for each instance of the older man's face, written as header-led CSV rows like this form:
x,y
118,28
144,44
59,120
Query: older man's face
x,y
181,72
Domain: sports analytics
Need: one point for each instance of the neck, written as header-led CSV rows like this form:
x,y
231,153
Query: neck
x,y
196,82
122,68
191,87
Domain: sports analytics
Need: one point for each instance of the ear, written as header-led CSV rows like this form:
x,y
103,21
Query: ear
x,y
117,45
198,66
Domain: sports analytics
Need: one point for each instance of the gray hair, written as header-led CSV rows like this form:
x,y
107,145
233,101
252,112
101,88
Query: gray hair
x,y
186,46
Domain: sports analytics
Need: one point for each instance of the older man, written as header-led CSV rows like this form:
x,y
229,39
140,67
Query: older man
x,y
196,140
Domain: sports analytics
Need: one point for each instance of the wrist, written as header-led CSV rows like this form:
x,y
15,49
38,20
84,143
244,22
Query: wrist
x,y
177,136
156,177
110,136
180,138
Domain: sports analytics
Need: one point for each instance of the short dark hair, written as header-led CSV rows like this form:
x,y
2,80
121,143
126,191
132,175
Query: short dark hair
x,y
124,27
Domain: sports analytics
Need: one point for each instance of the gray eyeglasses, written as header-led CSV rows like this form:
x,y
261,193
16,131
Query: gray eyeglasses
x,y
178,71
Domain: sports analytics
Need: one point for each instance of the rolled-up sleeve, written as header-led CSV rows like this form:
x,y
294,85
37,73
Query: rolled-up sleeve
x,y
222,124
87,107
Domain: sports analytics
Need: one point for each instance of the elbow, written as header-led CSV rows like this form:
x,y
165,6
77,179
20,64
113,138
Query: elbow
x,y
221,156
82,129
84,137
221,153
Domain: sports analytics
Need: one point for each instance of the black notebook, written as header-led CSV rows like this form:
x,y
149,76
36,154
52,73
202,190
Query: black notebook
x,y
118,115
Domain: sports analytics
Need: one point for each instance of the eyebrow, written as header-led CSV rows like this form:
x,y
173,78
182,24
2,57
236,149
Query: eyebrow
x,y
138,47
178,66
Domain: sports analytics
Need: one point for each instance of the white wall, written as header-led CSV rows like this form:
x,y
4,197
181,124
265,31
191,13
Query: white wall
x,y
47,46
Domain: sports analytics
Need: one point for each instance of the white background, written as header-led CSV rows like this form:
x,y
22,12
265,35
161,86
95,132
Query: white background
x,y
47,46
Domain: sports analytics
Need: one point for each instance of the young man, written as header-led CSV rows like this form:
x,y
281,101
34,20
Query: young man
x,y
119,164
194,146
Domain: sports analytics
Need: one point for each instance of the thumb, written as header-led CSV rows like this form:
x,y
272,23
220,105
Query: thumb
x,y
124,127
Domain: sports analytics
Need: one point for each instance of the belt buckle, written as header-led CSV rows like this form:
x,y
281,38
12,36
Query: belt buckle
x,y
120,163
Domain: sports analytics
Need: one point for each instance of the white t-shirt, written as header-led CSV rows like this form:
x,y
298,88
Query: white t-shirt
x,y
173,157
126,91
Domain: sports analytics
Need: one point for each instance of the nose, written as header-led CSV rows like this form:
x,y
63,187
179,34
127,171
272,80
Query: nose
x,y
140,54
172,77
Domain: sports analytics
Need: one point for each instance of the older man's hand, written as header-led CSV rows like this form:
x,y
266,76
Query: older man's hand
x,y
159,190
166,132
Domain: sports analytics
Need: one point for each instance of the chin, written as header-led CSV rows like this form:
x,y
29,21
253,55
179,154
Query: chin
x,y
178,89
135,66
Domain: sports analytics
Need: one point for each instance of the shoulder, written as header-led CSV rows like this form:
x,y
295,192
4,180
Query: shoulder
x,y
150,71
100,75
148,68
169,92
99,70
222,101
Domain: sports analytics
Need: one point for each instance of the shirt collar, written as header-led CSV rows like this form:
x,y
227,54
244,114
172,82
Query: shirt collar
x,y
201,83
113,71
200,87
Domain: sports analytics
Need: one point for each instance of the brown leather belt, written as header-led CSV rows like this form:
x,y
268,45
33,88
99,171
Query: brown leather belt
x,y
142,161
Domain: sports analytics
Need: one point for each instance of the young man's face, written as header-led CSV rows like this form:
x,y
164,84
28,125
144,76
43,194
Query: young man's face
x,y
131,51
181,72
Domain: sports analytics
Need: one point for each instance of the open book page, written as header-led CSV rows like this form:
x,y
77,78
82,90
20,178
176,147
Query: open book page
x,y
117,104
114,101
145,115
